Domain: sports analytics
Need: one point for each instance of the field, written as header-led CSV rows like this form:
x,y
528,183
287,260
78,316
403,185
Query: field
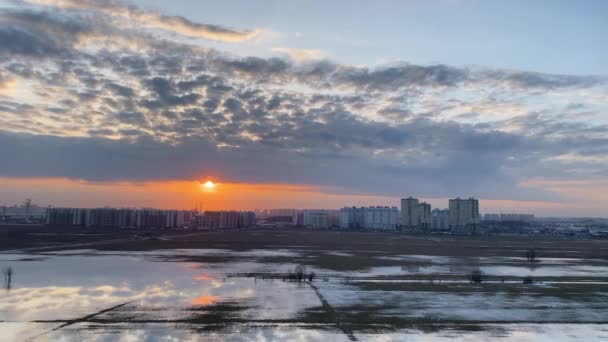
x,y
354,286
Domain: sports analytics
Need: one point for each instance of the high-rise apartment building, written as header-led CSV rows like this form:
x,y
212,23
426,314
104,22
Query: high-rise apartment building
x,y
424,216
464,214
415,215
409,212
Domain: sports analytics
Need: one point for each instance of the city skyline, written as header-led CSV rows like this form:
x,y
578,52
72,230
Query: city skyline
x,y
198,206
112,103
187,195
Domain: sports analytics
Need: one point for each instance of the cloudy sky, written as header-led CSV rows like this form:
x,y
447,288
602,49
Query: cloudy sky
x,y
305,104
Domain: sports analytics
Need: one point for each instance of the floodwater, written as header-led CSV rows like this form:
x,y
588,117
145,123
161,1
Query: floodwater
x,y
107,296
494,266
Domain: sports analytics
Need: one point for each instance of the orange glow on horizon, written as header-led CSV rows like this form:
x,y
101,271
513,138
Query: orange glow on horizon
x,y
170,194
203,277
180,194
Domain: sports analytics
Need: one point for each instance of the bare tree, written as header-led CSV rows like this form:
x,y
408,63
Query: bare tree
x,y
299,275
299,272
531,255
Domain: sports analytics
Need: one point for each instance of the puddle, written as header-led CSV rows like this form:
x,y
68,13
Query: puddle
x,y
414,265
344,254
503,332
546,271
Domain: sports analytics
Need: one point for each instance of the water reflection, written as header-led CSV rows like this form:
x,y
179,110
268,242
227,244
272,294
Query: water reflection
x,y
67,287
515,270
205,300
203,277
8,277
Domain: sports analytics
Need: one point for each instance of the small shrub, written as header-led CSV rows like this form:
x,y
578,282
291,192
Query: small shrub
x,y
528,280
476,276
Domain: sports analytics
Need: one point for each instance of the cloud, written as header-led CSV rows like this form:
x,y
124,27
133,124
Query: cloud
x,y
401,75
341,150
532,80
43,34
154,20
110,102
299,55
120,90
20,42
8,86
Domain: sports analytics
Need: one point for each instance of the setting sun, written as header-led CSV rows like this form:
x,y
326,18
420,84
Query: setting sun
x,y
209,185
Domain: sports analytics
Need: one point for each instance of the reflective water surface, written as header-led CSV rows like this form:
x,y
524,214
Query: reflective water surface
x,y
221,294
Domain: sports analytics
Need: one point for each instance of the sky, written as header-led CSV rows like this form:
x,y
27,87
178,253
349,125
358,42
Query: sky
x,y
305,104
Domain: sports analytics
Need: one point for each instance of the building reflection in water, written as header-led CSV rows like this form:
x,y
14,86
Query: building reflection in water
x,y
8,277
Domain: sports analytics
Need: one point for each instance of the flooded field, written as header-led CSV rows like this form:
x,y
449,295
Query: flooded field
x,y
123,293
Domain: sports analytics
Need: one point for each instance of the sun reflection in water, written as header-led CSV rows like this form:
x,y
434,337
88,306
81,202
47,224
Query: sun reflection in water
x,y
204,300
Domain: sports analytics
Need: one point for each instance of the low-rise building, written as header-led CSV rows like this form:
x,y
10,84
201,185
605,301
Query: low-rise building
x,y
283,215
320,218
23,213
513,217
372,218
227,219
491,217
517,217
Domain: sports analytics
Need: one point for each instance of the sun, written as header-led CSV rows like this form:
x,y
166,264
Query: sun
x,y
207,186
